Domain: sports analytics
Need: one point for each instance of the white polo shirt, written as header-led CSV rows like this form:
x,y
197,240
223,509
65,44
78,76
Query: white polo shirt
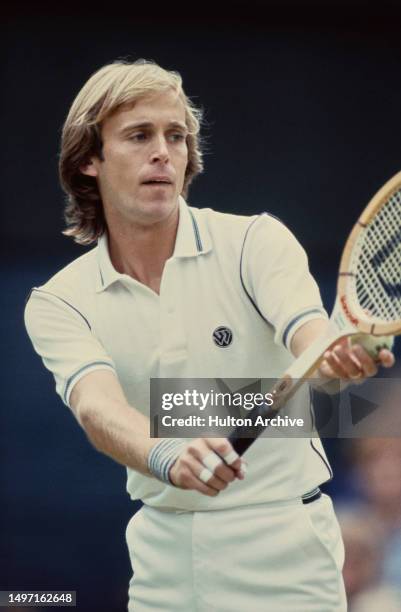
x,y
245,273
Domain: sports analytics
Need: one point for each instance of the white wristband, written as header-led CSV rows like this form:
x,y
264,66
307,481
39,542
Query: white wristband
x,y
163,456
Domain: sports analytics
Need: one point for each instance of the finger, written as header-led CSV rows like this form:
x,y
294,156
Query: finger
x,y
205,475
326,370
348,360
221,449
216,465
231,460
212,461
335,365
186,475
210,479
386,358
204,489
194,484
201,450
368,365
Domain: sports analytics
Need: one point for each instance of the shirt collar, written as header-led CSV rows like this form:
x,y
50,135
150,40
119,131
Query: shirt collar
x,y
193,236
107,272
192,240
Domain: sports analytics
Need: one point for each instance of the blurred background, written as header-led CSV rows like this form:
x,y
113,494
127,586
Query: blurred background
x,y
303,118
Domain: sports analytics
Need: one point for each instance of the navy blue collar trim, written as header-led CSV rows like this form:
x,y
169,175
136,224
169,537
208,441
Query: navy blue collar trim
x,y
198,240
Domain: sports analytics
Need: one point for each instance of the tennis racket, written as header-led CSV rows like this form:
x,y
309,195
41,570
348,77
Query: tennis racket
x,y
368,298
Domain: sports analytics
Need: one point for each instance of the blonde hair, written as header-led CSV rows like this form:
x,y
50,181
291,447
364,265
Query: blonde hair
x,y
111,87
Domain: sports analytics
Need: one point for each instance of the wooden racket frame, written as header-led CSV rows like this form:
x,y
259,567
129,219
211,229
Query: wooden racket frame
x,y
345,276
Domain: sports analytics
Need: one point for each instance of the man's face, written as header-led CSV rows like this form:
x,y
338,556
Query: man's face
x,y
144,160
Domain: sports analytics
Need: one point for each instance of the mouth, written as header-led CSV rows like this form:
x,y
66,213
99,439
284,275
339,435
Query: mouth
x,y
158,181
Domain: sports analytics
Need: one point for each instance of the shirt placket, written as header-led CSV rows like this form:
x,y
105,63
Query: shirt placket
x,y
173,340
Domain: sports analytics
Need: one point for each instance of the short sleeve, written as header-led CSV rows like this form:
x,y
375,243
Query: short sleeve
x,y
63,338
276,274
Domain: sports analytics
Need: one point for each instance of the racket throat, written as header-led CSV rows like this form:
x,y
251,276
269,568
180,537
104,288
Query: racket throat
x,y
338,326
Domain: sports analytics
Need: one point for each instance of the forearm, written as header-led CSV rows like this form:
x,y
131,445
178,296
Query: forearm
x,y
320,379
111,424
119,431
307,334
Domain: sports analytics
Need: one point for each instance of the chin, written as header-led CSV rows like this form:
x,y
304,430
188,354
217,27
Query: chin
x,y
157,210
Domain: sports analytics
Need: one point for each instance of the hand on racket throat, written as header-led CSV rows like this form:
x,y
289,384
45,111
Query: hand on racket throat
x,y
368,302
343,359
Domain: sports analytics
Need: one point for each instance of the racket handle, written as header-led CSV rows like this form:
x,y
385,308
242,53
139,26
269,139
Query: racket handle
x,y
243,436
240,445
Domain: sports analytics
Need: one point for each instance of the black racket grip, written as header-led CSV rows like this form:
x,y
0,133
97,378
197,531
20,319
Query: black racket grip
x,y
243,436
240,445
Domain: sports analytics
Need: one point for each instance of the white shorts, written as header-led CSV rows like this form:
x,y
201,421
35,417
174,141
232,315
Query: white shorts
x,y
279,557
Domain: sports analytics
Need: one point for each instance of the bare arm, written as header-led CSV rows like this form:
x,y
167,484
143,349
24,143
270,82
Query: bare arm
x,y
111,424
307,334
123,433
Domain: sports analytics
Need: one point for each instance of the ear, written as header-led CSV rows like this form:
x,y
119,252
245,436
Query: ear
x,y
89,169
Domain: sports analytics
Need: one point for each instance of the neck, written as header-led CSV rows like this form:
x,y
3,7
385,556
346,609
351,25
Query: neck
x,y
142,251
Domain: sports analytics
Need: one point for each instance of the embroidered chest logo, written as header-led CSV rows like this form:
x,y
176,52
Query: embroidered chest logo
x,y
222,336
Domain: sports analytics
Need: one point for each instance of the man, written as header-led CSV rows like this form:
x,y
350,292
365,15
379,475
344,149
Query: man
x,y
146,302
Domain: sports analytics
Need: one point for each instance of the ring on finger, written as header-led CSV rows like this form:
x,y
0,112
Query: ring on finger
x,y
211,461
205,475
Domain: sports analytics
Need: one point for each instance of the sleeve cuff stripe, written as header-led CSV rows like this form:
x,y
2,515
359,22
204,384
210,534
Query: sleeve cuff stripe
x,y
296,319
72,378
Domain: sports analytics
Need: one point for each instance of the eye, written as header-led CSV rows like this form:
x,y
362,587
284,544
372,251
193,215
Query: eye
x,y
138,136
177,137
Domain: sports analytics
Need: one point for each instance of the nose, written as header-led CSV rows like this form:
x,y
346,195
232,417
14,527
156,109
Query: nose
x,y
160,151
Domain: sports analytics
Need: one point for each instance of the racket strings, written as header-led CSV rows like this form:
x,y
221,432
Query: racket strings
x,y
378,269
